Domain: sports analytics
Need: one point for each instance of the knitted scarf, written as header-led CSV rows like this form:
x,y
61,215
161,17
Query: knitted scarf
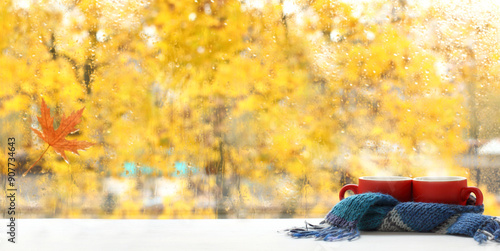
x,y
380,212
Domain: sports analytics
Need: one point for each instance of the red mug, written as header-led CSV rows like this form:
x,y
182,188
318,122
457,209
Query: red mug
x,y
396,186
444,189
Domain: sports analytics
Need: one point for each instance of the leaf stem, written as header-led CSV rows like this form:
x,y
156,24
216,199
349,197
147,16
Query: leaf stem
x,y
24,174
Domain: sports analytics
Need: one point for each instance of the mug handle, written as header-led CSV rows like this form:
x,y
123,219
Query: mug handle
x,y
466,191
354,189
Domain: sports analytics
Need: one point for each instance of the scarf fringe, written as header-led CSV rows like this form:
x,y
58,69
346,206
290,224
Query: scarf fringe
x,y
324,231
489,231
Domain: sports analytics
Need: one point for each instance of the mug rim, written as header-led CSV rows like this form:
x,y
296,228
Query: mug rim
x,y
439,178
385,178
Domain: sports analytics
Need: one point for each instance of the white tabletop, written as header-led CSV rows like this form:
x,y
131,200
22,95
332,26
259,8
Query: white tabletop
x,y
232,234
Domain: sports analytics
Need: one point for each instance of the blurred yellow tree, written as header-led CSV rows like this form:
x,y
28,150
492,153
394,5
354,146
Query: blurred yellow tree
x,y
236,80
76,53
271,106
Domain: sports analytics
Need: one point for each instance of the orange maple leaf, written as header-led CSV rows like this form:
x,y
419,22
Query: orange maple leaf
x,y
56,138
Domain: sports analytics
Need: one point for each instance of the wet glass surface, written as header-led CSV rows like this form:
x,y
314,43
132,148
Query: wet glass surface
x,y
243,109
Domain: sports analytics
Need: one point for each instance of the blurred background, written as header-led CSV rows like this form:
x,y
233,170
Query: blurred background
x,y
245,109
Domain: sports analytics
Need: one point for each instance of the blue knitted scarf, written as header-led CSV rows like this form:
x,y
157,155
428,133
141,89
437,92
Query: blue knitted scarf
x,y
380,212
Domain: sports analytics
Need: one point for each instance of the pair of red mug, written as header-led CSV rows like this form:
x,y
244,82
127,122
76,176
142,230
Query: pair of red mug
x,y
445,189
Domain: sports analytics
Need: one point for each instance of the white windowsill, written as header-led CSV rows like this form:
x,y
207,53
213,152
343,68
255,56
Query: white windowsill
x,y
232,234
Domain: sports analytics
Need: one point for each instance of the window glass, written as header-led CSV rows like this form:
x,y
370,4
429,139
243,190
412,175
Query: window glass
x,y
242,109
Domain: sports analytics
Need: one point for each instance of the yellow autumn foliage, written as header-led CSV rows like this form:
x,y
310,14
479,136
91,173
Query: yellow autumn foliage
x,y
211,109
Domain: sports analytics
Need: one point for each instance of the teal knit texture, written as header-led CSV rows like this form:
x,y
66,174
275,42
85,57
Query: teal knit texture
x,y
381,212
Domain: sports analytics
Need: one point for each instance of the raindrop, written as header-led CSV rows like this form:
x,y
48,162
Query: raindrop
x,y
192,16
207,9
